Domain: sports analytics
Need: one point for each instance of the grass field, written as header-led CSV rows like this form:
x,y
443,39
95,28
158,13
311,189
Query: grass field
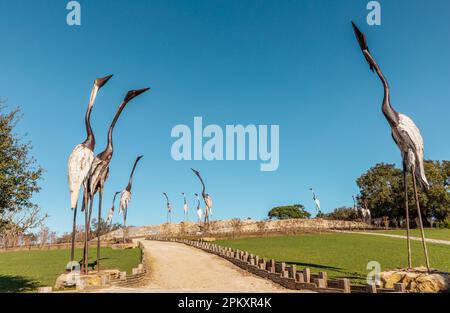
x,y
341,255
25,271
432,233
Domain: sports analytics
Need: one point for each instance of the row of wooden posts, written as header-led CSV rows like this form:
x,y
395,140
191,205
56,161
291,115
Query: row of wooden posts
x,y
283,274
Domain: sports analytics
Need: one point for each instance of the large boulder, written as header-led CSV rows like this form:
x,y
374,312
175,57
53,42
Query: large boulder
x,y
93,279
416,279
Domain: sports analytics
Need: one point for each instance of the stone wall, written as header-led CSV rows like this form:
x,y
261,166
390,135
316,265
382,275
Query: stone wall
x,y
233,227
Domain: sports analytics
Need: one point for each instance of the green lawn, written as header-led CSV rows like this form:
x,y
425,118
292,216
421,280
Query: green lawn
x,y
432,233
24,271
341,255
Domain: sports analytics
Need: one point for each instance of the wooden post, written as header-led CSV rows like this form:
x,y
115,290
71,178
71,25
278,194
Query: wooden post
x,y
292,271
320,282
300,277
371,288
271,266
399,287
324,276
307,275
344,283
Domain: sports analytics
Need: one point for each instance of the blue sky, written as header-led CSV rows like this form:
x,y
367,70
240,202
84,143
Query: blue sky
x,y
291,63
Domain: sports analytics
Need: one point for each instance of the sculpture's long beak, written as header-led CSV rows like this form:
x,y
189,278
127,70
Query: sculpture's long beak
x,y
195,172
363,44
134,93
360,37
100,82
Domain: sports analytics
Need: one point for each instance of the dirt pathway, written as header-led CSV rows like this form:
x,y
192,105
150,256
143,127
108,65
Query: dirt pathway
x,y
443,242
175,267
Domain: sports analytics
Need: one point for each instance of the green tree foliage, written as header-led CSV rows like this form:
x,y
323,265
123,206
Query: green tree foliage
x,y
343,214
19,174
382,191
104,227
289,211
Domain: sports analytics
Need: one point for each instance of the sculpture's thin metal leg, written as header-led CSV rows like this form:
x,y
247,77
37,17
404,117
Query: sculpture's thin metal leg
x,y
88,226
74,226
100,192
405,183
424,243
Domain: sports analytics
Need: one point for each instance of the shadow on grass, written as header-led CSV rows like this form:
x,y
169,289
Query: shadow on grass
x,y
342,272
14,284
92,265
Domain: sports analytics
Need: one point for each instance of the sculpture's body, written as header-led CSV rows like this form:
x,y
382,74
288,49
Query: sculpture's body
x,y
185,207
169,208
199,209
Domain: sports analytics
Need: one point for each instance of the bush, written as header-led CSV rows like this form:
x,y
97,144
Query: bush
x,y
444,223
289,211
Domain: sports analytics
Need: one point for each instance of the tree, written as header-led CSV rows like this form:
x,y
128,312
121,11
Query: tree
x,y
19,177
104,228
382,191
343,214
289,211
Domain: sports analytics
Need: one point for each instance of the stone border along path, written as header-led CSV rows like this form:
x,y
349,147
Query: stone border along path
x,y
282,274
439,241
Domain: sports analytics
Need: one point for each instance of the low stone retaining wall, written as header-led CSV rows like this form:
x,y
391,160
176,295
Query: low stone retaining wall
x,y
56,246
225,228
137,276
285,275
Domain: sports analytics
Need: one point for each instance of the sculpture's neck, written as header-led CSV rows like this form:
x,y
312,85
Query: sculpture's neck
x,y
387,109
90,140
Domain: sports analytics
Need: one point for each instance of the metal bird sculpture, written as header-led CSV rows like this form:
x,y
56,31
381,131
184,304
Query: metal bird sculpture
x,y
316,201
100,169
185,207
199,209
125,197
81,158
169,208
111,211
206,197
409,141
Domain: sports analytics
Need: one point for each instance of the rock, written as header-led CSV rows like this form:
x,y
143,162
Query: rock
x,y
121,246
44,289
81,282
391,278
416,280
66,280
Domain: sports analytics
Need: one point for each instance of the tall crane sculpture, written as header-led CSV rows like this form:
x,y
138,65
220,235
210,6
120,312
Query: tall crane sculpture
x,y
316,201
206,197
169,208
408,139
126,198
81,158
199,209
99,173
111,211
185,207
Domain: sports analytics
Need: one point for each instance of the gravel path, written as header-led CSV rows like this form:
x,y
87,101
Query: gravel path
x,y
175,267
439,241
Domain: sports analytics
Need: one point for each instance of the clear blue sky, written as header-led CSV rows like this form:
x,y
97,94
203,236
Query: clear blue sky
x,y
292,63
